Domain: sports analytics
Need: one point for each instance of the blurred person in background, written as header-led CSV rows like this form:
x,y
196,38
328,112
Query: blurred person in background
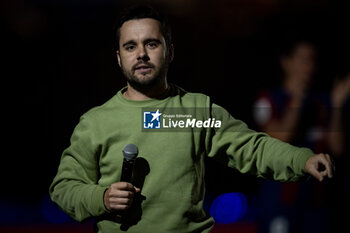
x,y
295,113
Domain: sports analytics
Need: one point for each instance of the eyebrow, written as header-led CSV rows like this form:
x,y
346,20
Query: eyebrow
x,y
129,43
146,41
152,40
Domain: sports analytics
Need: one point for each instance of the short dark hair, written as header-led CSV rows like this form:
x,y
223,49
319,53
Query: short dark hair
x,y
142,12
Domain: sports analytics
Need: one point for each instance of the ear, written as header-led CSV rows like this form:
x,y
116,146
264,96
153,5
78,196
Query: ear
x,y
118,57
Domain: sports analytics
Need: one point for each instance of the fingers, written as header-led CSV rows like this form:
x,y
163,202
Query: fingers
x,y
331,166
315,173
320,166
125,186
120,195
325,160
120,203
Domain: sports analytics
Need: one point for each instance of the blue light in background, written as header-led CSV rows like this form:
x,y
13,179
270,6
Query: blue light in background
x,y
228,207
52,213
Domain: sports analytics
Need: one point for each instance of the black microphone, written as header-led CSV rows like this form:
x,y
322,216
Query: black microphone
x,y
130,153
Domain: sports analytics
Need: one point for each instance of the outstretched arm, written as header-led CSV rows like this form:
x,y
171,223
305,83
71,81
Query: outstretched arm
x,y
255,153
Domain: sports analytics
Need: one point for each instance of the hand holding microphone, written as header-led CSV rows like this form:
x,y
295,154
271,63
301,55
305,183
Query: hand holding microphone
x,y
119,196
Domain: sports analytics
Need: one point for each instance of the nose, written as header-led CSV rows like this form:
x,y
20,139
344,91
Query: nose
x,y
142,54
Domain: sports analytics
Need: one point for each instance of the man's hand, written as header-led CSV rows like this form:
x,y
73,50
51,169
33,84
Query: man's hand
x,y
320,166
119,196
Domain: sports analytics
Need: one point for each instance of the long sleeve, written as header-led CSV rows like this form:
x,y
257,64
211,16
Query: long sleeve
x,y
75,188
255,153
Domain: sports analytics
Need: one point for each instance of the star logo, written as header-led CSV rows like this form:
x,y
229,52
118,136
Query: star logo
x,y
156,115
151,120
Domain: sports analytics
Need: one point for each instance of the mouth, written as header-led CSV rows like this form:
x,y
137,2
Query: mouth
x,y
143,68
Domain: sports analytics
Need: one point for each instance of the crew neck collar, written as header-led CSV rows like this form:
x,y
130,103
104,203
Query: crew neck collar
x,y
154,101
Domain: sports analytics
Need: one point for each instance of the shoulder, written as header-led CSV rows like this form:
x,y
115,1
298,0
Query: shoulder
x,y
103,110
191,98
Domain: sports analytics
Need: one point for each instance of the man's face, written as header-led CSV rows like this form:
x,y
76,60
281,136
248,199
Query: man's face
x,y
142,53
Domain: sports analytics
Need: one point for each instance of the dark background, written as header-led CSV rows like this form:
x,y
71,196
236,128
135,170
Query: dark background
x,y
58,62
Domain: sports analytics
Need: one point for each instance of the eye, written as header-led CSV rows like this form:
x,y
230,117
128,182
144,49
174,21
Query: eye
x,y
130,48
152,45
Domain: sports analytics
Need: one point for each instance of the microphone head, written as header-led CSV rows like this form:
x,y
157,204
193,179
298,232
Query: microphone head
x,y
130,152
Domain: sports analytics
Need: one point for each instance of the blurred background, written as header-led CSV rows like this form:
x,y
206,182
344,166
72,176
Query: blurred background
x,y
58,61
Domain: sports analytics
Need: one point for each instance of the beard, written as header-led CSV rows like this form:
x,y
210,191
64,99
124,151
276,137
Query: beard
x,y
144,84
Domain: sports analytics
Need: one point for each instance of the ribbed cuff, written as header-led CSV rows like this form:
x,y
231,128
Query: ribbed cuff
x,y
300,160
97,202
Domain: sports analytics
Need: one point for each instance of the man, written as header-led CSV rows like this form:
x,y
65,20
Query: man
x,y
167,191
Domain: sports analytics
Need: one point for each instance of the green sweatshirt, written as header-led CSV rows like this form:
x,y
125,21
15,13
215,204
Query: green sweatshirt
x,y
170,165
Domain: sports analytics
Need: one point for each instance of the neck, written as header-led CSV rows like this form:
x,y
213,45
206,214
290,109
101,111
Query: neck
x,y
156,92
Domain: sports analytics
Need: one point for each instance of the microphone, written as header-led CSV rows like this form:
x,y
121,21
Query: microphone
x,y
130,153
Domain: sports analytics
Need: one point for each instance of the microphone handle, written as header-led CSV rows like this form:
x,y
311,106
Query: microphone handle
x,y
128,166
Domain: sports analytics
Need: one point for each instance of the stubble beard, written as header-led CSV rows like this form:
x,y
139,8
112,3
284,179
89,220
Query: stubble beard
x,y
146,84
